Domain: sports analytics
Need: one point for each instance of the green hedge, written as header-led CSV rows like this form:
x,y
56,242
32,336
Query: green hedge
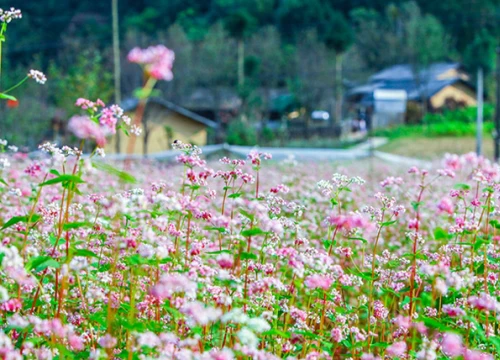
x,y
460,122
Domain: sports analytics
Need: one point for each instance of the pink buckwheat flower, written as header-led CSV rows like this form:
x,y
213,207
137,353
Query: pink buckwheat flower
x,y
446,205
397,349
173,283
157,61
108,119
107,341
476,355
452,345
84,128
225,261
337,335
318,281
12,305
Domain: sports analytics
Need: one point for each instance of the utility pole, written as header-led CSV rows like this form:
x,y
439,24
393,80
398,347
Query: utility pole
x,y
479,127
116,61
497,108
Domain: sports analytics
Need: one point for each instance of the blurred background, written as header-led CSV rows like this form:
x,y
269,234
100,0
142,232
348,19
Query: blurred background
x,y
283,73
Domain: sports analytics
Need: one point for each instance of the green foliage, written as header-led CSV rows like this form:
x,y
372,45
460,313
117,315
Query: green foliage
x,y
267,135
239,24
454,128
481,52
88,77
107,168
240,133
465,115
460,122
402,34
335,32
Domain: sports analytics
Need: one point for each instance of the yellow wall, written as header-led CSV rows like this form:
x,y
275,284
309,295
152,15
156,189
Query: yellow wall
x,y
458,92
184,129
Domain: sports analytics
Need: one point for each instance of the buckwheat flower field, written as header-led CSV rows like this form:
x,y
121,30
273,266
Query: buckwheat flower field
x,y
247,259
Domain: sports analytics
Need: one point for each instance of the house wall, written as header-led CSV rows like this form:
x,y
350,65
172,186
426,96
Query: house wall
x,y
184,129
458,92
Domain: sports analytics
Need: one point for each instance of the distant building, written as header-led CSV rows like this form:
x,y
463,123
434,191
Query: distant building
x,y
441,85
163,122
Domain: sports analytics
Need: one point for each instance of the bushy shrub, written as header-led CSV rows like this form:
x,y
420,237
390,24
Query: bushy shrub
x,y
461,122
463,115
240,133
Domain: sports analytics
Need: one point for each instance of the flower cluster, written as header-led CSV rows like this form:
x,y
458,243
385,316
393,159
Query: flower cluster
x,y
7,16
156,60
38,76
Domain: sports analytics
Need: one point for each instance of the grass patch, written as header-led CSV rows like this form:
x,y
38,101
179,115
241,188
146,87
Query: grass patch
x,y
448,129
435,147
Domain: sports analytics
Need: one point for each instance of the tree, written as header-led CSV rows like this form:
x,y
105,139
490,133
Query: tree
x,y
481,52
401,35
337,35
239,25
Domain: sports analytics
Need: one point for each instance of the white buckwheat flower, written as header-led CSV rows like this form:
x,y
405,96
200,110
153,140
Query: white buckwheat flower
x,y
38,76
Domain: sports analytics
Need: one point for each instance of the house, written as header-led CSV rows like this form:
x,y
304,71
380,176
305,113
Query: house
x,y
220,104
162,123
439,86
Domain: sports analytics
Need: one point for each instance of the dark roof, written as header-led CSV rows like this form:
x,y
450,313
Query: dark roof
x,y
131,103
405,72
401,77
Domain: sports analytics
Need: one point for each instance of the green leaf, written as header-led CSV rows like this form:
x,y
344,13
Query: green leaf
x,y
235,195
364,241
276,332
495,223
440,233
53,240
246,214
464,187
480,269
74,225
479,243
122,175
252,232
393,264
219,252
85,253
40,263
495,340
137,259
478,329
248,256
18,219
415,205
213,228
328,244
63,179
3,182
388,223
7,97
405,301
367,275
436,324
